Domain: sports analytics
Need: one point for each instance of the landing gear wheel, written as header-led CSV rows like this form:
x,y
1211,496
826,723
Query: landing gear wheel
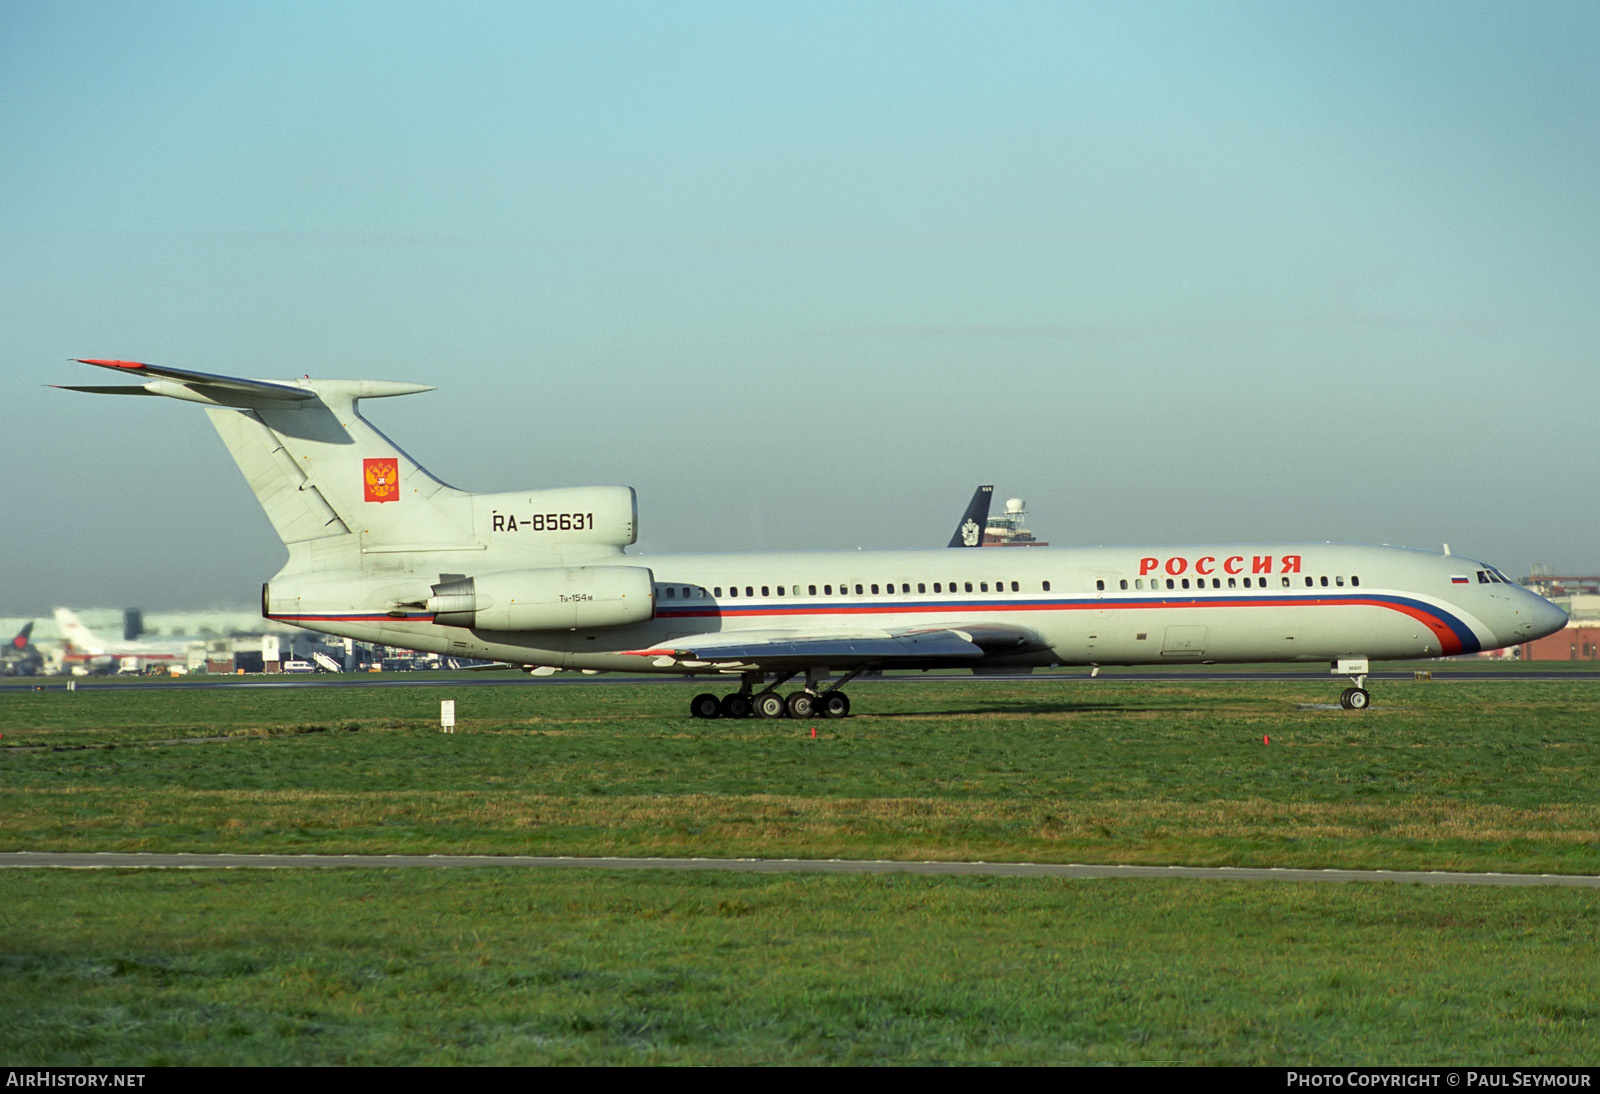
x,y
1355,699
769,704
705,705
736,705
802,704
835,704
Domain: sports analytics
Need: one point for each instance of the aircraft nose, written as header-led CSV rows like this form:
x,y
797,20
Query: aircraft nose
x,y
1547,617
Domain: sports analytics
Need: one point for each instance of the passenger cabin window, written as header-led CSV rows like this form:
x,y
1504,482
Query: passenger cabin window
x,y
1099,583
1354,580
669,592
1123,584
717,591
1046,586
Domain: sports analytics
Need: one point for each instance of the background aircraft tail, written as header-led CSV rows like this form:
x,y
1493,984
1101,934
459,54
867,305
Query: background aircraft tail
x,y
80,637
969,529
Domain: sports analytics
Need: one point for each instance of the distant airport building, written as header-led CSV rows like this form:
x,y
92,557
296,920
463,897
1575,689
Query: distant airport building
x,y
1006,530
1579,596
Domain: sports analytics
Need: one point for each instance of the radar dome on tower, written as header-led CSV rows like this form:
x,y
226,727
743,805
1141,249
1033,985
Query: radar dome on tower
x,y
1007,530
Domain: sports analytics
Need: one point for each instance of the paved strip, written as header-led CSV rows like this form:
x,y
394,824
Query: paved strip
x,y
120,861
502,679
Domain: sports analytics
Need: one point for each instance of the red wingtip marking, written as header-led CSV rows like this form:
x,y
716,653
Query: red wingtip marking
x,y
111,364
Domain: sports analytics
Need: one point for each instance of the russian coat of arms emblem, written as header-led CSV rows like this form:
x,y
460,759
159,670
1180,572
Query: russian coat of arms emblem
x,y
382,479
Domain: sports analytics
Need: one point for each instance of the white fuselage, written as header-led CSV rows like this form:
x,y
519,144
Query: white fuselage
x,y
1085,605
380,550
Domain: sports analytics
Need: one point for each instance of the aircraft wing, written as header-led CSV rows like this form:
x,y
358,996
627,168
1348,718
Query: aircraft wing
x,y
796,649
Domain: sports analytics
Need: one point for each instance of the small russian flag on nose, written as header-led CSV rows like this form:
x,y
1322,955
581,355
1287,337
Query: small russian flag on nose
x,y
1458,579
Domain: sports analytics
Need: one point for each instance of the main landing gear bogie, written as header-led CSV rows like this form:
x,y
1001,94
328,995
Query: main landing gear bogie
x,y
769,704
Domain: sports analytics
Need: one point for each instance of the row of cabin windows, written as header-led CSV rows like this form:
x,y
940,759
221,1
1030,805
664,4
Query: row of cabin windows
x,y
687,592
1233,583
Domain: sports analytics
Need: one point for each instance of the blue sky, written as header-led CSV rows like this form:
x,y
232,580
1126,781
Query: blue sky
x,y
805,274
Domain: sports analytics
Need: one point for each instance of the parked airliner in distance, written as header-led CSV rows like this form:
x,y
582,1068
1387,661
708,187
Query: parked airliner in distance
x,y
20,657
380,550
85,653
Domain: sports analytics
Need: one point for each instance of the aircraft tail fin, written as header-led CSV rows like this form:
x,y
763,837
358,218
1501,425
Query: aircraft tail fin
x,y
21,641
969,529
74,632
318,468
337,490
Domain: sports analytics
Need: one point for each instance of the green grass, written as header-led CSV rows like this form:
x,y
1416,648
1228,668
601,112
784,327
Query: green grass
x,y
498,966
1461,776
538,967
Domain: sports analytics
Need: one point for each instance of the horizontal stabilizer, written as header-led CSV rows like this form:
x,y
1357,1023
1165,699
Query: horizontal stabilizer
x,y
202,380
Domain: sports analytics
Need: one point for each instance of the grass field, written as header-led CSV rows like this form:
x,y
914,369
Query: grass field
x,y
505,966
1491,776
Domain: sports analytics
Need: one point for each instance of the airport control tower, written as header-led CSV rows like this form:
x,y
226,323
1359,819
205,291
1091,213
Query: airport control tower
x,y
1006,530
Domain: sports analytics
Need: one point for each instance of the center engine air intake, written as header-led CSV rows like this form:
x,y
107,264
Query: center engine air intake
x,y
546,599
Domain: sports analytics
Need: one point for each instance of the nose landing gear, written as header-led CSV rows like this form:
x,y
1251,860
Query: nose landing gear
x,y
1356,668
1355,699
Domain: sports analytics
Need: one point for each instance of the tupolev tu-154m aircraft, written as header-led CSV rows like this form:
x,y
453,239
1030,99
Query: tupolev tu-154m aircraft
x,y
381,551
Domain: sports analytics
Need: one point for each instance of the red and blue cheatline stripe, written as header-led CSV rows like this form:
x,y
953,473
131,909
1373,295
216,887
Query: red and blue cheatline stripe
x,y
1453,634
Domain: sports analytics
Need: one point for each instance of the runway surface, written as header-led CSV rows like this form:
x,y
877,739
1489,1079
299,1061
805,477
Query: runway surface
x,y
507,679
117,861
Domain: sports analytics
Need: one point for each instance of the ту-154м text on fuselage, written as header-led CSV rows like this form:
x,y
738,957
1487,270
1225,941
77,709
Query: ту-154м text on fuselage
x,y
380,550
